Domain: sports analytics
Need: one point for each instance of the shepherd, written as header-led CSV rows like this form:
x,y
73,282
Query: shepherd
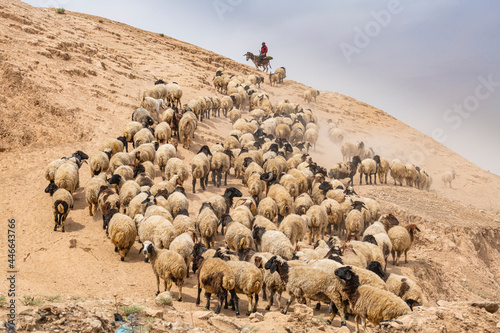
x,y
263,52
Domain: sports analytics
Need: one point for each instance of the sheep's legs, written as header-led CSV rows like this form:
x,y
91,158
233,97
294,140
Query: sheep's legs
x,y
249,296
225,178
234,297
207,307
194,185
360,179
271,298
180,292
256,303
157,284
198,300
406,252
290,300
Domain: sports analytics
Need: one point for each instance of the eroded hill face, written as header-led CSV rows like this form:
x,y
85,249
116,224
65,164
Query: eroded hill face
x,y
69,81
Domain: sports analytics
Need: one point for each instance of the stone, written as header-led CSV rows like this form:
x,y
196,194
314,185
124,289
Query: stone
x,y
181,325
344,329
442,303
224,324
72,243
203,315
165,298
302,312
498,325
152,313
256,317
491,307
245,330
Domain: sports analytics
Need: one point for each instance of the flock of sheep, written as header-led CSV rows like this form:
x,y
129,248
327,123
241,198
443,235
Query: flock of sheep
x,y
291,200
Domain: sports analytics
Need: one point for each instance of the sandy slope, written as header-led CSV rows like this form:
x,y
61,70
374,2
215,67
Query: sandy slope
x,y
69,81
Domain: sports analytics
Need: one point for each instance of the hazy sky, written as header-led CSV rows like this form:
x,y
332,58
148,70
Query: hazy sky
x,y
433,64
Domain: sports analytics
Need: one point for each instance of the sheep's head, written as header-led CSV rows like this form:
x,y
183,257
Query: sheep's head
x,y
352,236
148,250
207,205
51,189
258,262
288,148
108,152
376,158
160,81
232,192
82,155
412,303
370,239
359,205
225,220
247,161
204,149
258,232
259,133
273,147
325,186
138,169
183,211
357,160
220,254
376,268
268,177
345,273
180,189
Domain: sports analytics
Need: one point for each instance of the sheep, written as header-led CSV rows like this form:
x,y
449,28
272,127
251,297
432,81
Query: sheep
x,y
268,208
301,178
335,216
153,105
367,167
275,242
187,126
222,203
143,116
120,159
274,78
283,199
145,151
448,176
67,177
244,213
248,281
411,174
127,192
291,184
177,201
317,222
312,283
206,224
159,211
261,221
200,167
92,191
122,233
116,145
216,276
163,154
367,248
174,95
162,132
349,150
382,168
354,221
175,166
307,96
399,285
168,265
311,136
182,222
302,203
234,115
129,132
401,238
256,186
336,135
345,170
281,71
368,302
226,104
99,162
283,131
294,227
137,205
184,245
238,237
62,202
398,172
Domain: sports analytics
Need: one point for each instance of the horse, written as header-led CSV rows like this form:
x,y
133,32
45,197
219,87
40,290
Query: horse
x,y
265,63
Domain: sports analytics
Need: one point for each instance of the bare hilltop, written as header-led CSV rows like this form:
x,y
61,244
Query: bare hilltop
x,y
69,81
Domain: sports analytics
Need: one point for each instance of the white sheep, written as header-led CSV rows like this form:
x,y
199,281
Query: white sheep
x,y
62,203
122,233
153,106
448,176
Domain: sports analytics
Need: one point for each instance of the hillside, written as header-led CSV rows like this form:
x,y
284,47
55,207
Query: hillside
x,y
70,81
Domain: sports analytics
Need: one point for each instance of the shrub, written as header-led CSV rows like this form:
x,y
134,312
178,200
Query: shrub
x,y
60,10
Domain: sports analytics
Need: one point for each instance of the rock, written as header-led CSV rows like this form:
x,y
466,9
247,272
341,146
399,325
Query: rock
x,y
181,325
344,329
491,307
224,324
152,313
498,325
164,298
256,317
245,330
26,312
302,312
203,315
92,325
72,243
442,303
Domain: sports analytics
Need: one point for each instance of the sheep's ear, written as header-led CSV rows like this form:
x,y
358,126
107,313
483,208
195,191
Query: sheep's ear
x,y
273,267
151,250
142,248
